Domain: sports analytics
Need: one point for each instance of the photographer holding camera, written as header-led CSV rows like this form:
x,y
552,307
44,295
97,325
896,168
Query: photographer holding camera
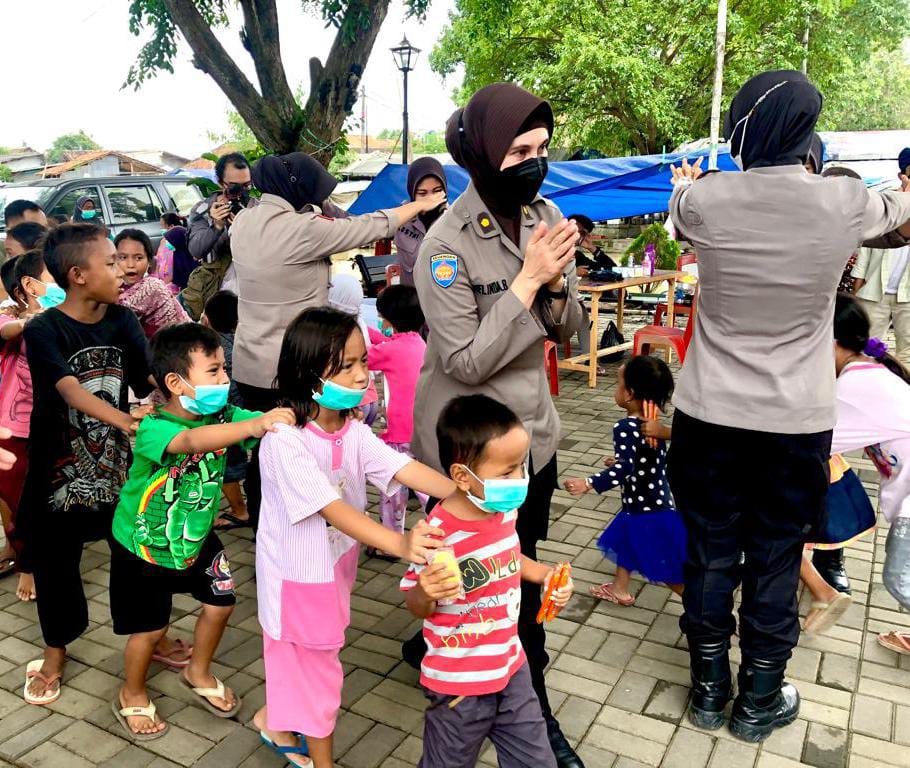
x,y
211,218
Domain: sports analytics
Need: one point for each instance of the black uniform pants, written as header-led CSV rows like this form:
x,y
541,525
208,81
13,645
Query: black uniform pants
x,y
58,544
754,494
255,399
531,526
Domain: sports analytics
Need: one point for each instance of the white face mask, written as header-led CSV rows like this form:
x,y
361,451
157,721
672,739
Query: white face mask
x,y
737,155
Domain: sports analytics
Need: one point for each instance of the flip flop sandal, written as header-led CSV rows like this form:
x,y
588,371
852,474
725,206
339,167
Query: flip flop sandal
x,y
7,566
900,643
217,692
121,713
232,522
288,752
33,670
605,592
828,614
168,659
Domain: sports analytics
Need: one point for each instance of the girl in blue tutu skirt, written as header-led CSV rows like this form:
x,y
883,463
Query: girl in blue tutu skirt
x,y
647,536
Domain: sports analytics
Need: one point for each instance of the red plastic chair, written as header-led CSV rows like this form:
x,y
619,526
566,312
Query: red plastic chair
x,y
679,310
550,363
661,336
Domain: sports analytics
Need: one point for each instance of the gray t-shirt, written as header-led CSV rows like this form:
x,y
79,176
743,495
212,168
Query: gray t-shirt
x,y
772,244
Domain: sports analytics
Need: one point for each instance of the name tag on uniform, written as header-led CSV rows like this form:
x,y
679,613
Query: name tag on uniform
x,y
444,269
497,286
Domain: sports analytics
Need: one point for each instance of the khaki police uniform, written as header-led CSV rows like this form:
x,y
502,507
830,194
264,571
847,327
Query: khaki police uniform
x,y
283,262
482,338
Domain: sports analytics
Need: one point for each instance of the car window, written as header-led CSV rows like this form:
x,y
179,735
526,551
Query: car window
x,y
184,196
134,204
64,206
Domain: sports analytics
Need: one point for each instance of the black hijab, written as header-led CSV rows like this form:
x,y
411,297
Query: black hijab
x,y
420,169
479,135
817,154
772,119
77,211
297,177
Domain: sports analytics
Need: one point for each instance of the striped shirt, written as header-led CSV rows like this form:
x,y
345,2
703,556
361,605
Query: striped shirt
x,y
302,596
472,645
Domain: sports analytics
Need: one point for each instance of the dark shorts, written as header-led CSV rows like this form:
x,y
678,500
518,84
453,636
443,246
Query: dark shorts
x,y
141,592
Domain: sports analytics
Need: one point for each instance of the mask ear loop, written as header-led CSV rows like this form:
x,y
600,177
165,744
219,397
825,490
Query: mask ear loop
x,y
749,114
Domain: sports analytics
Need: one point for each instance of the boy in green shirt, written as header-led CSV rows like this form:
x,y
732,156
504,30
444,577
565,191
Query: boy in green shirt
x,y
163,538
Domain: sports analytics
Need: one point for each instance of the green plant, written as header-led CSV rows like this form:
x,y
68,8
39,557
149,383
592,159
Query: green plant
x,y
667,249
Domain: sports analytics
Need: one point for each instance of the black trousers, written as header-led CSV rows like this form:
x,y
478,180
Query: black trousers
x,y
531,526
750,500
62,607
255,399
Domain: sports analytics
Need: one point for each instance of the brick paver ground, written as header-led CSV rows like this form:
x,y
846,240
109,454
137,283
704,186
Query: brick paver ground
x,y
618,676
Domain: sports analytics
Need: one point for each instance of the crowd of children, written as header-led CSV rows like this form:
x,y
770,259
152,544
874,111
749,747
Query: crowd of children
x,y
87,323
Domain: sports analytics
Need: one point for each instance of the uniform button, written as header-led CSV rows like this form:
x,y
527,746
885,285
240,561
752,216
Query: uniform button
x,y
338,442
524,321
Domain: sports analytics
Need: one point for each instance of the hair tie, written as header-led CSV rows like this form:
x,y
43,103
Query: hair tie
x,y
875,348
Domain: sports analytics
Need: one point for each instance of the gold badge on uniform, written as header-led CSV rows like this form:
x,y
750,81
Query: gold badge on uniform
x,y
486,223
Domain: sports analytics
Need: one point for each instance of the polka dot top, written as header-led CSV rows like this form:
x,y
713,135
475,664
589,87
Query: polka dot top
x,y
640,470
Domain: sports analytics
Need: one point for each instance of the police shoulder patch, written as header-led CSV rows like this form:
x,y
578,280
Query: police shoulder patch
x,y
486,223
444,269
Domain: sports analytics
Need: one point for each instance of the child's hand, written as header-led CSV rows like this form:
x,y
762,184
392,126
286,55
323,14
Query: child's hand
x,y
141,411
437,582
129,423
577,486
266,423
651,428
609,461
420,540
559,596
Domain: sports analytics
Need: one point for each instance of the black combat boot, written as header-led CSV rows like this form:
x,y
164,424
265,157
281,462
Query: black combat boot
x,y
765,701
562,750
712,683
830,564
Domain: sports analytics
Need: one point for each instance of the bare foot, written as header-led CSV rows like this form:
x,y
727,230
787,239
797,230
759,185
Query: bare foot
x,y
208,681
140,723
25,589
54,661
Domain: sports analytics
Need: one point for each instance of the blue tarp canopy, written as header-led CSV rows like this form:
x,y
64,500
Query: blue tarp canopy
x,y
611,188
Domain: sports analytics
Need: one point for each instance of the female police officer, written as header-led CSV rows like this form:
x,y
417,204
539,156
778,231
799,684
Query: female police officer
x,y
496,278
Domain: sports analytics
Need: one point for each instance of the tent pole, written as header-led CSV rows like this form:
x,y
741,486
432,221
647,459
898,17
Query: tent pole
x,y
721,43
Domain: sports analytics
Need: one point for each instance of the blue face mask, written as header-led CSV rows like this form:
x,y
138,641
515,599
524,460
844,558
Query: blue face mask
x,y
338,398
89,214
209,399
53,296
501,495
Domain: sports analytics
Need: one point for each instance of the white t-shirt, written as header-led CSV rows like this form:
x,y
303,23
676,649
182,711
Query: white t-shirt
x,y
898,268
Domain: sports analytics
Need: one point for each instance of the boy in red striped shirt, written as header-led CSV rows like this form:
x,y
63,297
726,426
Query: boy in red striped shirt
x,y
475,673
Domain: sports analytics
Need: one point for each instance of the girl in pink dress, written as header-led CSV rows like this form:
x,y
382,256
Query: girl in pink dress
x,y
151,300
312,522
164,256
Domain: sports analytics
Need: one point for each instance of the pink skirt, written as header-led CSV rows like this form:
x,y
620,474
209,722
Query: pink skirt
x,y
302,687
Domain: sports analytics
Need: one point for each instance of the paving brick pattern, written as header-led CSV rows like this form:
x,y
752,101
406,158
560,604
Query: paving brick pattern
x,y
618,676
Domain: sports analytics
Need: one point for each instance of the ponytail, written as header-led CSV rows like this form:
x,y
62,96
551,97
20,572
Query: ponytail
x,y
851,331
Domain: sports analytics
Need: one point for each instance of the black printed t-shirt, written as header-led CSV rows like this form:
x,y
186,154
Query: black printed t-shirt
x,y
75,460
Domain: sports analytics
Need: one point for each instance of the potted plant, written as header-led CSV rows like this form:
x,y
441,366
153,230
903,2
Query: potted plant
x,y
655,242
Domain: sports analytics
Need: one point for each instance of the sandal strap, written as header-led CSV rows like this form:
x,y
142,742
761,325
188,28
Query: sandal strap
x,y
817,605
148,711
211,693
48,680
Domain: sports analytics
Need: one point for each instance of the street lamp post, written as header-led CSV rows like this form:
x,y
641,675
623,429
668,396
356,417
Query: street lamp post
x,y
405,56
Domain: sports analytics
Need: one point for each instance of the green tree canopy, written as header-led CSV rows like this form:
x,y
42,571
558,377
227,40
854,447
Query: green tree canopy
x,y
637,74
69,141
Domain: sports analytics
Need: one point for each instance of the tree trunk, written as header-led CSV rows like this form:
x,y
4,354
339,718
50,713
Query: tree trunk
x,y
334,87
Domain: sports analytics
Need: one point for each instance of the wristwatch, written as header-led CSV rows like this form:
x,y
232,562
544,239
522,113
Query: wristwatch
x,y
562,293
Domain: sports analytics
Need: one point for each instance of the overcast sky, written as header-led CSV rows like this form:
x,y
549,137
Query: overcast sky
x,y
74,57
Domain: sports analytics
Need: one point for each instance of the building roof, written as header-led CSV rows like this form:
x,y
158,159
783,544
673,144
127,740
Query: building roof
x,y
128,165
222,149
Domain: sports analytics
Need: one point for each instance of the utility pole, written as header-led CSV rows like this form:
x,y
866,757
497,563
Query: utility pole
x,y
720,48
364,135
806,47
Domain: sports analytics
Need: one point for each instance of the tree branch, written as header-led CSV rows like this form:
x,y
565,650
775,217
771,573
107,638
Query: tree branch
x,y
211,58
260,19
